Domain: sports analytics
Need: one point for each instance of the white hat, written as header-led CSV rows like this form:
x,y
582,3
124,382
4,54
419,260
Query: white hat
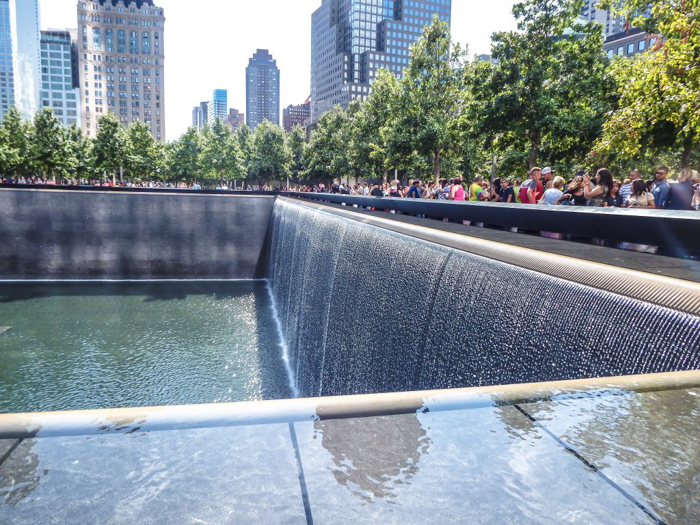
x,y
547,170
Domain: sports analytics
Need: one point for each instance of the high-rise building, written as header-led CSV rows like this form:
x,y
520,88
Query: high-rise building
x,y
293,115
121,62
262,89
20,78
197,117
218,107
235,119
200,115
612,24
60,89
352,39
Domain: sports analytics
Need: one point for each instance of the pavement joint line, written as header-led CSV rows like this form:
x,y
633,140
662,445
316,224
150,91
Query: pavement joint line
x,y
7,454
302,478
591,466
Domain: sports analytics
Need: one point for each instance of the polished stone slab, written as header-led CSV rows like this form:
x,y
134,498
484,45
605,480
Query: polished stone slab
x,y
647,443
221,475
485,465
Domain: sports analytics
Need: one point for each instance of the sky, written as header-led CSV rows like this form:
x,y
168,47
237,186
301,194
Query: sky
x,y
208,44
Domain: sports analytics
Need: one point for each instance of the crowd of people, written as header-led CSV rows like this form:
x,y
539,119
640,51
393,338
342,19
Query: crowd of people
x,y
542,187
110,183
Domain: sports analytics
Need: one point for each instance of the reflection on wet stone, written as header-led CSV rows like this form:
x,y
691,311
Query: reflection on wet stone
x,y
373,456
19,474
648,443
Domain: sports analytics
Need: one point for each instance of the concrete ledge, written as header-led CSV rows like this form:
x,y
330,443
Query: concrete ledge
x,y
132,420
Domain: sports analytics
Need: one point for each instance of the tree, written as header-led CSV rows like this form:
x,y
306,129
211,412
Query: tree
x,y
221,156
328,154
145,158
271,158
244,138
373,129
296,145
50,152
548,85
186,156
80,149
659,107
15,140
432,97
111,145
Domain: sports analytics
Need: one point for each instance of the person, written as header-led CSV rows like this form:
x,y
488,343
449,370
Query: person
x,y
457,190
660,190
547,176
640,197
696,197
414,191
376,191
529,188
476,190
552,195
681,195
603,185
573,195
626,188
506,193
614,200
444,190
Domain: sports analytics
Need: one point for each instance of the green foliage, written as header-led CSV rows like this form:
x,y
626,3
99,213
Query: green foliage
x,y
185,158
221,156
50,151
145,158
432,94
328,154
296,145
659,90
270,158
244,137
111,145
15,140
548,87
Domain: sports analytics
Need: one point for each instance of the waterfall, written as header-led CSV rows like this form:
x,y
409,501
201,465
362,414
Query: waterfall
x,y
367,310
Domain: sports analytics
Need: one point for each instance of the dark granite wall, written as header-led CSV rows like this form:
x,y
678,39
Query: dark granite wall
x,y
48,234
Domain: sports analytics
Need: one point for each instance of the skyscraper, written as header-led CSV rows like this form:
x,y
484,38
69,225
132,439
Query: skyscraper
x,y
293,115
196,117
262,89
352,39
121,62
59,75
218,107
20,80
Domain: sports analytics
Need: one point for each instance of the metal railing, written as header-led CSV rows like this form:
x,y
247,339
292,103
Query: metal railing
x,y
677,232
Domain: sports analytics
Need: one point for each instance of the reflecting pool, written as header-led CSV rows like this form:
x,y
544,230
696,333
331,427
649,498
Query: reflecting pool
x,y
69,346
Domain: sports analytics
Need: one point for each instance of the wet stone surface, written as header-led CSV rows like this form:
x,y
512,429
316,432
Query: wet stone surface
x,y
647,443
224,475
488,465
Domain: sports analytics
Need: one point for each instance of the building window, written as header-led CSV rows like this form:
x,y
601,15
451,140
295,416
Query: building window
x,y
630,49
642,45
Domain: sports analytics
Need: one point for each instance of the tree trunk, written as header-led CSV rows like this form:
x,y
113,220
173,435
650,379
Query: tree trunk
x,y
687,151
436,166
386,175
534,150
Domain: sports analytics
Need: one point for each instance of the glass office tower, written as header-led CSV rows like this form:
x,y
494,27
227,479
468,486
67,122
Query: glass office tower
x,y
352,39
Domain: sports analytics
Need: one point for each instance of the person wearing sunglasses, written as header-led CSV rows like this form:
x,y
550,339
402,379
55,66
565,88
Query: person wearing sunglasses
x,y
661,189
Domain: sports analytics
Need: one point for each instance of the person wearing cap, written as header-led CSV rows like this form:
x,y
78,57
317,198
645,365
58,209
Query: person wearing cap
x,y
547,175
528,190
